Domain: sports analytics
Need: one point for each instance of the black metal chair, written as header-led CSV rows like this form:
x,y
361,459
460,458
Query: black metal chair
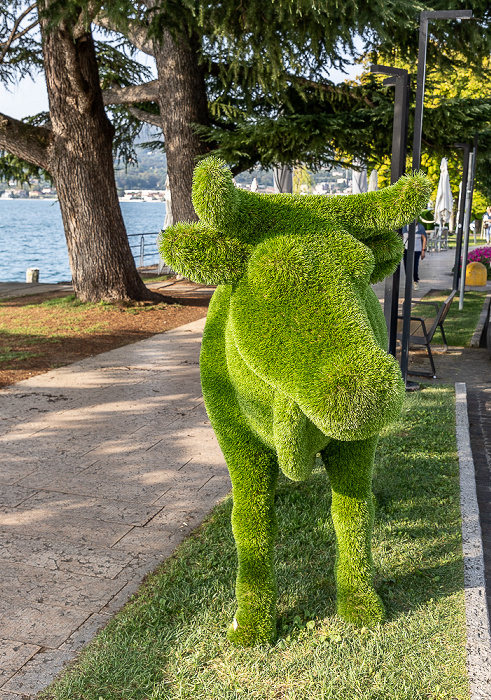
x,y
420,335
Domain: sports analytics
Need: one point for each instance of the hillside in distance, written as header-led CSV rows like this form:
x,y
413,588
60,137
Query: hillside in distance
x,y
149,172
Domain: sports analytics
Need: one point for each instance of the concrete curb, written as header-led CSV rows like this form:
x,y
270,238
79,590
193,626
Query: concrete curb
x,y
476,336
477,621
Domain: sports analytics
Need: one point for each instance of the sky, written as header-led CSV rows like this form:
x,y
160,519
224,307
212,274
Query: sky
x,y
29,96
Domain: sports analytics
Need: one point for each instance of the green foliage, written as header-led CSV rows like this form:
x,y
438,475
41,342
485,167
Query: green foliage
x,y
118,68
23,58
116,65
451,43
13,168
259,61
457,106
293,363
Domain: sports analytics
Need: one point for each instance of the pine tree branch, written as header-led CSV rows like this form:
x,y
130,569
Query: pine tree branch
x,y
154,119
135,33
25,141
14,35
326,87
147,92
216,70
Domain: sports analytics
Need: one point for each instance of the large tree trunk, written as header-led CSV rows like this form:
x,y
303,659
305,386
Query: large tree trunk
x,y
79,157
183,102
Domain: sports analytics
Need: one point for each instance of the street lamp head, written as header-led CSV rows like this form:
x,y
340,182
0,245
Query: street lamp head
x,y
388,70
446,14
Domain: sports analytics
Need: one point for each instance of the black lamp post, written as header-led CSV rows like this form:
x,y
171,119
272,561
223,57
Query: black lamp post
x,y
399,78
425,17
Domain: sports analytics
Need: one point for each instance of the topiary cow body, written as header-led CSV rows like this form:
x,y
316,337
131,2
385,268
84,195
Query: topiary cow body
x,y
294,363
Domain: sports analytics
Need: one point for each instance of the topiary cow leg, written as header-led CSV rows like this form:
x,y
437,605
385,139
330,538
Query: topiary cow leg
x,y
254,472
349,465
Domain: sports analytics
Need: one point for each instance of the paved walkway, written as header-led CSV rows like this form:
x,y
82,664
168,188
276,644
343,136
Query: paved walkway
x,y
107,464
22,289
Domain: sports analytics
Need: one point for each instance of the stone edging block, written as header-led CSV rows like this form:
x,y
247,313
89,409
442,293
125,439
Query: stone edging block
x,y
477,620
476,336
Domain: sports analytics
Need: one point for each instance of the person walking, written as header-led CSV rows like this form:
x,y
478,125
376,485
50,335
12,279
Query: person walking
x,y
486,222
419,249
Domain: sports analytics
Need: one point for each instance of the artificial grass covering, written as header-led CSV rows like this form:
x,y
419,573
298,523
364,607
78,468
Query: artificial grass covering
x,y
168,642
294,363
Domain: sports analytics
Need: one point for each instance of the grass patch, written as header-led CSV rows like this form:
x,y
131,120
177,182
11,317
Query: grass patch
x,y
459,325
6,354
169,641
148,277
52,318
68,302
67,316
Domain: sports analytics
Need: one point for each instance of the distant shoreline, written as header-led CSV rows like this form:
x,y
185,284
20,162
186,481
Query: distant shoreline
x,y
55,199
28,199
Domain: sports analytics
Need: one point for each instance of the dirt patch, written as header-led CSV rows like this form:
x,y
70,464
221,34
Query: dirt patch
x,y
42,332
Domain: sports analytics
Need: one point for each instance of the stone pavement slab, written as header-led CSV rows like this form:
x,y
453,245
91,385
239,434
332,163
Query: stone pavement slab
x,y
22,289
14,655
107,465
59,554
38,672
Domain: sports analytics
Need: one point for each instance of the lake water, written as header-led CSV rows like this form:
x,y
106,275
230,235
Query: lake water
x,y
31,235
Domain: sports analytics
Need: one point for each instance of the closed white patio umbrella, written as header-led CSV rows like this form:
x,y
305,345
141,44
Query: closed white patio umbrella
x,y
254,186
168,221
373,181
444,199
360,182
283,179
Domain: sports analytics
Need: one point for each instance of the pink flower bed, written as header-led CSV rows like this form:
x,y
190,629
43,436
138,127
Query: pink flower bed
x,y
482,255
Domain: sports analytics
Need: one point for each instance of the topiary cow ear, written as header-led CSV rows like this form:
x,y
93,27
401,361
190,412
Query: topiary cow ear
x,y
215,197
202,254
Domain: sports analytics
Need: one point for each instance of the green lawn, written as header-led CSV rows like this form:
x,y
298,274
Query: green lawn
x,y
169,641
459,325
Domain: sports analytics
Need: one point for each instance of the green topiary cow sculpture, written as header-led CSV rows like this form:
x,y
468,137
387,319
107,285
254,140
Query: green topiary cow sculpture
x,y
294,363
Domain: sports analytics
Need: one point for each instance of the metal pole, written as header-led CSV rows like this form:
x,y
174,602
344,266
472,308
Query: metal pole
x,y
459,204
416,164
460,222
399,78
468,208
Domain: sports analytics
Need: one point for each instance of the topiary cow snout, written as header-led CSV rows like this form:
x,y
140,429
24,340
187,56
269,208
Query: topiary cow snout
x,y
294,363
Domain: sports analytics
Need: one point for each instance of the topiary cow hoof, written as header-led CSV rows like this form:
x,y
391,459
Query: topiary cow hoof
x,y
361,608
251,635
